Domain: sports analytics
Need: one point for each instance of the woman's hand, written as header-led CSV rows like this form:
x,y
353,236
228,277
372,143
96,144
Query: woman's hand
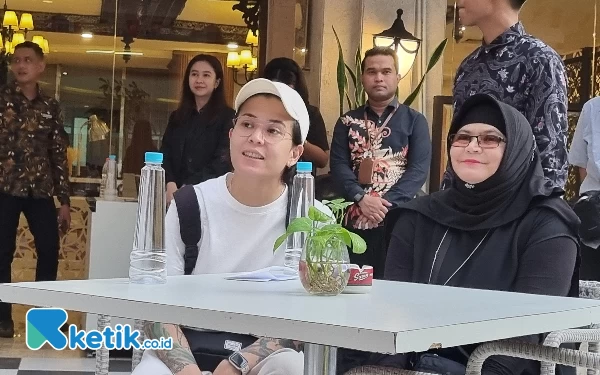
x,y
171,189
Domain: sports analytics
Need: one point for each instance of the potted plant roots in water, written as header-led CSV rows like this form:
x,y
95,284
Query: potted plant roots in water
x,y
324,266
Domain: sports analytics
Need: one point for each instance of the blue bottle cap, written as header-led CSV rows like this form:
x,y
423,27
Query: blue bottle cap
x,y
154,157
112,157
304,166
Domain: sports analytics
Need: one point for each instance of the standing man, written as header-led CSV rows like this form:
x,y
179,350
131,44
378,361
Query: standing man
x,y
33,168
380,155
521,71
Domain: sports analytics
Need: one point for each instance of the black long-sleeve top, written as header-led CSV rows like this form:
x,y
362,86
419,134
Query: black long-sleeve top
x,y
536,254
195,150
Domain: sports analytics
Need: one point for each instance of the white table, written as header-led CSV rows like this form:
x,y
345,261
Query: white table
x,y
393,318
111,241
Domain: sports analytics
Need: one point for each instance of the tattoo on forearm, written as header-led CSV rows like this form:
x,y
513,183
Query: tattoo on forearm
x,y
265,346
260,348
177,358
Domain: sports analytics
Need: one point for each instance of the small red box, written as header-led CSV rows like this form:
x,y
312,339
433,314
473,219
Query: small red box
x,y
361,279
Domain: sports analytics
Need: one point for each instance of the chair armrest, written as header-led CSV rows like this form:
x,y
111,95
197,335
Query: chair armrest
x,y
382,370
534,352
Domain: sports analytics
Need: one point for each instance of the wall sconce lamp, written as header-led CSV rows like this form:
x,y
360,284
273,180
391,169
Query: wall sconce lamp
x,y
400,40
244,60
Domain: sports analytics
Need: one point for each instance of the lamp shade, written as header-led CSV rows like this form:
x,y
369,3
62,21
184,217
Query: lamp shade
x,y
26,22
251,38
246,57
97,129
383,41
252,67
407,52
233,59
8,47
18,38
46,47
10,19
39,40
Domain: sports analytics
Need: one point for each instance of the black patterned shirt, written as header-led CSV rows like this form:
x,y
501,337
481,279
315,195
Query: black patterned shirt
x,y
524,72
33,146
401,150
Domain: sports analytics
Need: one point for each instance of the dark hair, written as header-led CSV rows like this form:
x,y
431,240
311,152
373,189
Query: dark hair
x,y
288,173
187,103
286,70
141,142
36,48
517,4
380,51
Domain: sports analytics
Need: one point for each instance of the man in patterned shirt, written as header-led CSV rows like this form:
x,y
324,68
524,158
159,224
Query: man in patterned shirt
x,y
33,168
521,71
380,155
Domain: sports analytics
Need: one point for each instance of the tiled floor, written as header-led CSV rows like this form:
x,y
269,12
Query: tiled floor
x,y
17,359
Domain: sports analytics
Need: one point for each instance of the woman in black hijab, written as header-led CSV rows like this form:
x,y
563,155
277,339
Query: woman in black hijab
x,y
498,227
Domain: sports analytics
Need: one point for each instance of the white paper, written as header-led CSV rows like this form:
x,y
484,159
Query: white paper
x,y
273,273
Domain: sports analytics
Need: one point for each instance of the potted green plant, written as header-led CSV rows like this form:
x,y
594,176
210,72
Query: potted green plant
x,y
324,264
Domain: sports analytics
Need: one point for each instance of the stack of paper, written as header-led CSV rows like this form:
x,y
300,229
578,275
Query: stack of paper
x,y
273,273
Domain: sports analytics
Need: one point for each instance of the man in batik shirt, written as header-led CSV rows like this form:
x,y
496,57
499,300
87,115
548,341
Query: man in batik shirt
x,y
521,71
380,155
33,169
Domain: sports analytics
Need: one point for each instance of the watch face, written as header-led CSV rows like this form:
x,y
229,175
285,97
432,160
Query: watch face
x,y
238,360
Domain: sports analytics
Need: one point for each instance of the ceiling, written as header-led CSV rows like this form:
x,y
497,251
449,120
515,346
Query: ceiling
x,y
564,28
85,7
209,11
70,48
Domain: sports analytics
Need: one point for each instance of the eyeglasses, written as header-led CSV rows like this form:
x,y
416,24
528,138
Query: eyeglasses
x,y
272,132
483,140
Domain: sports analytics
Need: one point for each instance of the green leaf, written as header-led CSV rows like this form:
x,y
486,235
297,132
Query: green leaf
x,y
279,241
435,58
329,230
359,92
342,80
301,224
317,215
359,245
348,101
355,84
345,235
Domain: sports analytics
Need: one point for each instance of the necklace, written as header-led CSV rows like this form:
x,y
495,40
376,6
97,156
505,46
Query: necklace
x,y
463,263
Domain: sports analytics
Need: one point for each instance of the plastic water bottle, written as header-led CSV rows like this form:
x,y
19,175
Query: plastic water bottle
x,y
110,189
104,177
148,260
303,196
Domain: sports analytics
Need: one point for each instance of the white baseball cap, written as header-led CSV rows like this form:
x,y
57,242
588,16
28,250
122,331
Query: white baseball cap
x,y
292,101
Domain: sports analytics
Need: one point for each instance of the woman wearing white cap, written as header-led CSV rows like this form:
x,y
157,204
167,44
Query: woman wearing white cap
x,y
270,127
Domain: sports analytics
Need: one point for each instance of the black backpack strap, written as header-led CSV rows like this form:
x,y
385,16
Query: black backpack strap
x,y
190,226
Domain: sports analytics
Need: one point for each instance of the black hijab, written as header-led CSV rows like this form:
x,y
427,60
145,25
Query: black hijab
x,y
508,194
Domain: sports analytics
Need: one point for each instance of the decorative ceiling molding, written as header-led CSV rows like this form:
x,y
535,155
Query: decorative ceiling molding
x,y
181,31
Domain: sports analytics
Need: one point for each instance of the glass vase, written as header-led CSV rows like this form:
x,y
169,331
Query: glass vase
x,y
324,265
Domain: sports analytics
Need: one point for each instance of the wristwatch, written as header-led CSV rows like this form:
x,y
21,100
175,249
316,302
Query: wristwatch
x,y
358,197
238,361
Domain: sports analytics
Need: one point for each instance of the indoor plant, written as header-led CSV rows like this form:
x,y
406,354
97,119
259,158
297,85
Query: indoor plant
x,y
324,265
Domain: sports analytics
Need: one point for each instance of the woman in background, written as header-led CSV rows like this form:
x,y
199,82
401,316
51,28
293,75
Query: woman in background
x,y
196,141
316,147
141,142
